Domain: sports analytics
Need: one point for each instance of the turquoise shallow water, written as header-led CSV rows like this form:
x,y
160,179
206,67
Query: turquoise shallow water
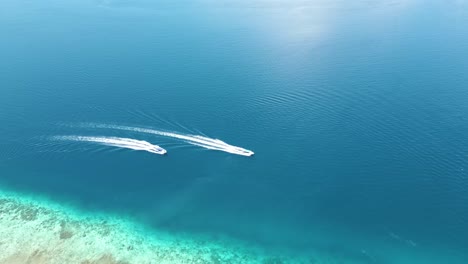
x,y
356,113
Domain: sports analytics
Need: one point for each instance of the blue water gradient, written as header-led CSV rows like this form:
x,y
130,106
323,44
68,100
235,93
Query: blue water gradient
x,y
356,113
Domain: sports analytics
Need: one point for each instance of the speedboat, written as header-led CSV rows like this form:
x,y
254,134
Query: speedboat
x,y
157,150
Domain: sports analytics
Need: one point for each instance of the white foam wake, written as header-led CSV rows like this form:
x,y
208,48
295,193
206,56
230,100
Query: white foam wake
x,y
117,142
205,142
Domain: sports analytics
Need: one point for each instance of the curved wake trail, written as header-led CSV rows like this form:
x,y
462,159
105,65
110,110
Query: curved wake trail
x,y
117,142
201,141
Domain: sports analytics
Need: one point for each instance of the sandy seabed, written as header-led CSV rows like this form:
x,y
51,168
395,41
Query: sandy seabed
x,y
35,230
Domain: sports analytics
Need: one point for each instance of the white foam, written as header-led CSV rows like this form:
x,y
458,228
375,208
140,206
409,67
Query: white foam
x,y
205,142
117,142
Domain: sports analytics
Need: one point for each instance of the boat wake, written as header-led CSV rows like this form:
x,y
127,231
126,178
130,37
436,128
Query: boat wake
x,y
201,141
117,142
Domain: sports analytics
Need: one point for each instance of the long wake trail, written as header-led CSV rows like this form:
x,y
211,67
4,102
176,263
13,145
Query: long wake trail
x,y
201,141
116,142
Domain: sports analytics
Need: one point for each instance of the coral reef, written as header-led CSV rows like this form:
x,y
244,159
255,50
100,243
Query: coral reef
x,y
34,230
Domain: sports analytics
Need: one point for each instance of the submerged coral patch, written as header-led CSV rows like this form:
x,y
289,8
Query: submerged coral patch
x,y
39,231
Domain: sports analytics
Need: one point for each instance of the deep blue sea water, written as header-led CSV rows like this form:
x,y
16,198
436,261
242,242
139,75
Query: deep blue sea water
x,y
357,113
